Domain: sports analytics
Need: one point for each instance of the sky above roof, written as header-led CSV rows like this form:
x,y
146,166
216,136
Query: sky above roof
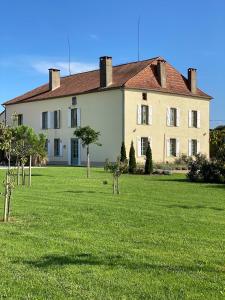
x,y
34,36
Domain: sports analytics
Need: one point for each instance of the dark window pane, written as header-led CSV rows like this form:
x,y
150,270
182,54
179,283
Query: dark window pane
x,y
173,146
173,117
144,114
45,120
20,119
144,145
56,147
73,117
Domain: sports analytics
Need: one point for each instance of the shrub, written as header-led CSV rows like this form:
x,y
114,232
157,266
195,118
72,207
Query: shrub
x,y
123,155
132,159
148,162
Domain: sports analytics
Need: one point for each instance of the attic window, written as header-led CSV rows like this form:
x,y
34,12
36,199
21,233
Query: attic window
x,y
144,96
74,100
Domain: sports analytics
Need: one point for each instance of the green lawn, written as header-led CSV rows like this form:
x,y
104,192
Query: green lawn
x,y
162,238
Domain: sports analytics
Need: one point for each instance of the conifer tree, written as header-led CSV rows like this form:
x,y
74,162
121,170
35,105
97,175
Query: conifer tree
x,y
123,155
132,159
148,162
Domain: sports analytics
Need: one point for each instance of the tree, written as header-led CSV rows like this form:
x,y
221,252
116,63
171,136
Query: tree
x,y
88,136
117,170
123,155
6,138
217,144
132,159
148,161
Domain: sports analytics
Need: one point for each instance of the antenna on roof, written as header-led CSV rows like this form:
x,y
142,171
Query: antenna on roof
x,y
68,40
138,36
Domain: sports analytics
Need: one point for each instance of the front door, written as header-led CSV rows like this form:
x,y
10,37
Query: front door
x,y
74,152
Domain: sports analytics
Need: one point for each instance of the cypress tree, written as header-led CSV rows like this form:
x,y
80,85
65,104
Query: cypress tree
x,y
123,155
132,159
148,162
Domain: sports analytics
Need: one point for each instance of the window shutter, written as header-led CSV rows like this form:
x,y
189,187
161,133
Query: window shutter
x,y
41,117
139,114
198,146
49,119
60,148
78,117
69,152
177,147
58,119
69,117
150,141
52,119
138,146
198,119
189,118
79,152
168,147
49,148
150,115
168,116
178,117
189,148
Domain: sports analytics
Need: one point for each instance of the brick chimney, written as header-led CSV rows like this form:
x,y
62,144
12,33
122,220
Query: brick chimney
x,y
192,80
105,67
161,70
54,79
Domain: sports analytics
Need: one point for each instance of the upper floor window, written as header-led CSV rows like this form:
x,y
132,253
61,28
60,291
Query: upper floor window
x,y
144,96
74,100
56,119
45,120
74,117
144,114
194,118
173,116
20,119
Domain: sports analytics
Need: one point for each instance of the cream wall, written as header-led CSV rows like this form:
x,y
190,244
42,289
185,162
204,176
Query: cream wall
x,y
102,111
159,131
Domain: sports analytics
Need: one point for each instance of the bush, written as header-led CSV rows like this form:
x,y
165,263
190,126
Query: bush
x,y
123,155
148,162
132,159
203,170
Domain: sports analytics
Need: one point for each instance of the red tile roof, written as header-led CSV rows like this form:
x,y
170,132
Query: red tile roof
x,y
135,75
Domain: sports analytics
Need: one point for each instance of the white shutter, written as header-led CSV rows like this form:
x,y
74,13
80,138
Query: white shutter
x,y
198,146
168,147
59,118
60,148
52,114
168,116
198,119
69,152
189,118
150,141
150,115
178,117
49,149
41,120
49,119
78,117
177,147
138,146
189,147
69,117
79,152
139,114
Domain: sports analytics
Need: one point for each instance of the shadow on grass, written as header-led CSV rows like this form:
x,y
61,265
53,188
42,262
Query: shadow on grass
x,y
114,261
194,207
159,178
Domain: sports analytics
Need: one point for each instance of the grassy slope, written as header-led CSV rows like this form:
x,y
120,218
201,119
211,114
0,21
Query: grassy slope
x,y
162,238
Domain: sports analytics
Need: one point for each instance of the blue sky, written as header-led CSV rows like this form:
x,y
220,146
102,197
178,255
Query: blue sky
x,y
34,34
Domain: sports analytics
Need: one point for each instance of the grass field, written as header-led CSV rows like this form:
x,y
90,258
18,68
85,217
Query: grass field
x,y
70,238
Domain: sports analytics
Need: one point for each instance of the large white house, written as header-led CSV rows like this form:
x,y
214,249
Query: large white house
x,y
139,101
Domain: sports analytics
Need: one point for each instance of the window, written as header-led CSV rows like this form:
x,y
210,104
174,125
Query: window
x,y
194,147
46,145
74,101
194,118
144,114
45,120
74,117
56,147
173,147
20,119
56,119
144,145
144,96
173,117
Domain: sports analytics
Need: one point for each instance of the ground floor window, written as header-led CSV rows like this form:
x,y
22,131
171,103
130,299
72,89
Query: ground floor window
x,y
173,147
56,147
144,145
194,147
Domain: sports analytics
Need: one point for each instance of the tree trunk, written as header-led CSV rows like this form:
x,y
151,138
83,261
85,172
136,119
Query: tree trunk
x,y
114,186
88,162
5,217
30,171
117,184
18,173
23,174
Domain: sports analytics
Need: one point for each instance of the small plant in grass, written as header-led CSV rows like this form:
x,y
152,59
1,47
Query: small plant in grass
x,y
148,162
88,136
117,170
132,159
